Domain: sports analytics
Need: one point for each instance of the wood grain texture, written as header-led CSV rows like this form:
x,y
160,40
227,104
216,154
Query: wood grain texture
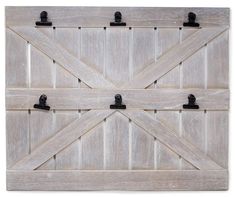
x,y
218,61
117,55
92,146
116,142
173,57
179,145
118,180
142,147
62,139
62,56
17,136
161,99
16,65
69,38
101,16
217,137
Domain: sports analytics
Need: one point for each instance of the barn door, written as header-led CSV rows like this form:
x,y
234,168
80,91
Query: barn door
x,y
73,139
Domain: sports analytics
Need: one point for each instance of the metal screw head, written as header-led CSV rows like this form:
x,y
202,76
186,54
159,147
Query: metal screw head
x,y
118,99
118,17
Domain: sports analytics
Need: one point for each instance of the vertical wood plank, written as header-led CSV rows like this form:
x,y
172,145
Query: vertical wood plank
x,y
218,62
116,142
117,55
143,48
142,149
41,69
69,38
217,137
17,132
166,39
16,60
92,47
69,157
92,149
166,158
41,129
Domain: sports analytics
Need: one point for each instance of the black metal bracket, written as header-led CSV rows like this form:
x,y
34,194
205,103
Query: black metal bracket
x,y
191,103
118,103
117,20
44,20
191,20
42,103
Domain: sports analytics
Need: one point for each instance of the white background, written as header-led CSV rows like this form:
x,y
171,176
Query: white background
x,y
136,3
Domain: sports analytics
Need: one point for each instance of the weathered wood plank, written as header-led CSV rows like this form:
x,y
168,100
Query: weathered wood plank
x,y
116,142
142,149
17,136
217,136
62,56
118,180
218,62
68,158
16,65
173,57
62,139
73,98
166,136
101,16
92,153
117,55
69,38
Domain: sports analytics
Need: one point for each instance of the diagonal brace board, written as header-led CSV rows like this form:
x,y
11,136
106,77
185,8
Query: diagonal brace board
x,y
173,57
62,139
55,51
177,144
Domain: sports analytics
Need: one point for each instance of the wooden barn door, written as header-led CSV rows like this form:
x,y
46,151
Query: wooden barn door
x,y
80,63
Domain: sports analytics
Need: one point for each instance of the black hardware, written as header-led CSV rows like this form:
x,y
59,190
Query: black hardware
x,y
191,103
118,103
117,20
191,20
42,103
43,22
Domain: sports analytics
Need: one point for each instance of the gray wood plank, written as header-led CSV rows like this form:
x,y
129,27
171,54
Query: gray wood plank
x,y
101,16
143,48
166,136
93,47
69,38
62,56
217,137
173,57
68,158
75,98
92,145
118,180
142,149
62,139
218,62
17,136
16,65
117,142
117,55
